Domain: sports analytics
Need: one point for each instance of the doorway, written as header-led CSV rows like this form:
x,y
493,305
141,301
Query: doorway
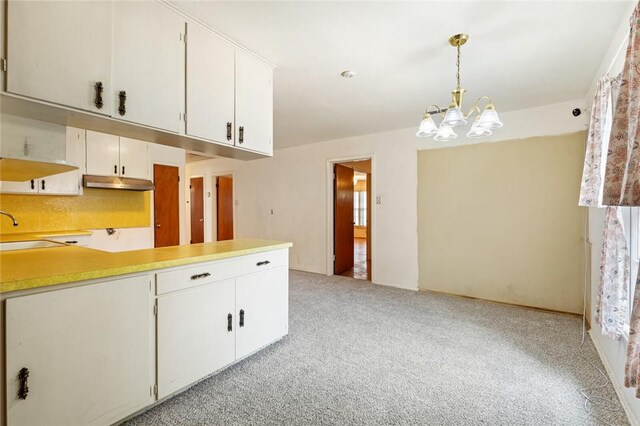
x,y
224,208
166,206
352,219
196,188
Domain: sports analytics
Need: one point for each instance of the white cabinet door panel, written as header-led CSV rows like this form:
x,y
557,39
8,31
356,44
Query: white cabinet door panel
x,y
58,50
263,299
88,352
193,338
69,183
210,85
254,104
103,154
134,158
148,63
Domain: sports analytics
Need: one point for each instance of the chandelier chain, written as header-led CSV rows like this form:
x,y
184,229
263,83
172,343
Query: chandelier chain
x,y
458,67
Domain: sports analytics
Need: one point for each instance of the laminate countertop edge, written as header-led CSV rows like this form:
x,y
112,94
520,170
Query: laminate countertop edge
x,y
17,271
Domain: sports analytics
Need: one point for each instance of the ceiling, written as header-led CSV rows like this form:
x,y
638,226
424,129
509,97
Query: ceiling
x,y
522,54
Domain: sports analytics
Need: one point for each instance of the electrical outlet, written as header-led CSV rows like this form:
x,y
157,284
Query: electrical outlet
x,y
378,199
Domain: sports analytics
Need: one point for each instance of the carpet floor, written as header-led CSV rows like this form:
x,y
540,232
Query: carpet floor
x,y
358,353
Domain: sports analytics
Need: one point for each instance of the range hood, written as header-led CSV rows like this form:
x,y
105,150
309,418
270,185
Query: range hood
x,y
24,169
115,182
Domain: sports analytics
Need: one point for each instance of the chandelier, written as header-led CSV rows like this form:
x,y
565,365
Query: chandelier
x,y
453,116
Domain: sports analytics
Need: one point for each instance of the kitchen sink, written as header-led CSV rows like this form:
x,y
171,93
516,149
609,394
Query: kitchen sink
x,y
25,245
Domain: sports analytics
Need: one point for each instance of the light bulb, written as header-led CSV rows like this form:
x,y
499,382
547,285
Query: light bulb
x,y
445,133
454,117
427,127
489,118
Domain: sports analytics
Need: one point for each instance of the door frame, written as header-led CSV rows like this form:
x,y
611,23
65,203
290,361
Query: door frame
x,y
204,205
329,183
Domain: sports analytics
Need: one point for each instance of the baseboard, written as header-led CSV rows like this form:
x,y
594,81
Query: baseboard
x,y
616,386
513,305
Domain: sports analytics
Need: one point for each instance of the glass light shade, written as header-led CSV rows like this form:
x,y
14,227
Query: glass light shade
x,y
427,127
489,118
454,117
478,131
445,133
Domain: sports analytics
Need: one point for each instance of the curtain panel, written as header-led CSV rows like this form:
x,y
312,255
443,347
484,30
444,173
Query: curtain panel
x,y
591,185
622,176
612,304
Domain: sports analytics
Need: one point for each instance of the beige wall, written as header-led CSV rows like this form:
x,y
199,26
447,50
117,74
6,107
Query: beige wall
x,y
501,222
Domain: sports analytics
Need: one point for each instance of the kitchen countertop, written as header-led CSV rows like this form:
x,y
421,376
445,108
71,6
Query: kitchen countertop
x,y
42,267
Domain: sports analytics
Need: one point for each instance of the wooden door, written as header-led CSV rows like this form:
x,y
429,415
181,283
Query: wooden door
x,y
342,218
88,350
194,339
148,63
196,186
58,51
261,309
103,154
166,206
254,104
224,208
210,85
134,158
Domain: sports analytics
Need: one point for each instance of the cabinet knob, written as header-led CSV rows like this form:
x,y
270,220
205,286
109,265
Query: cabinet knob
x,y
98,100
33,184
115,169
42,184
122,170
122,108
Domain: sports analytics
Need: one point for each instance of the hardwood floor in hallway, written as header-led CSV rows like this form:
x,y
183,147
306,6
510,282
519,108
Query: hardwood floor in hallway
x,y
361,266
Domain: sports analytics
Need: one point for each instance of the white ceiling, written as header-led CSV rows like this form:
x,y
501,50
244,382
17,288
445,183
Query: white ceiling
x,y
522,54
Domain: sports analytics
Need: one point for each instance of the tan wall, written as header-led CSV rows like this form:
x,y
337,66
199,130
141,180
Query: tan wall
x,y
500,221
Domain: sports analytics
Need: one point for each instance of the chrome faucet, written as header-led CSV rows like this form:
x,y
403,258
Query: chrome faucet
x,y
10,216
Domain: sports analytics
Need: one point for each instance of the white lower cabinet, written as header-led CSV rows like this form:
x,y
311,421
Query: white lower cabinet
x,y
88,352
262,306
195,334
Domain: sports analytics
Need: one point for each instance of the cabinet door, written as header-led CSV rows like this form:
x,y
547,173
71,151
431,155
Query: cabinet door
x,y
254,104
69,183
28,187
88,351
103,154
193,335
58,51
148,63
210,85
262,309
134,158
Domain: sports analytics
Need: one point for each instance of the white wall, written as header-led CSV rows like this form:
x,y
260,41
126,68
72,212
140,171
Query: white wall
x,y
613,353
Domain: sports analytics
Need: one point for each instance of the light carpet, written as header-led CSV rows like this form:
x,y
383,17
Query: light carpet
x,y
359,353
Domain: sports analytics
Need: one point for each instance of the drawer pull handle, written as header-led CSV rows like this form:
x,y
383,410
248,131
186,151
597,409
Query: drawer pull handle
x,y
229,322
23,375
241,131
228,130
198,276
264,262
122,107
241,318
71,242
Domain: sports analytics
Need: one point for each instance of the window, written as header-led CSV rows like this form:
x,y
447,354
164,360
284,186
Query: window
x,y
360,208
631,217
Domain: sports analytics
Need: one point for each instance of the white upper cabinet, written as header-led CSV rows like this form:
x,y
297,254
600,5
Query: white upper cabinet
x,y
148,64
109,155
210,86
58,51
254,104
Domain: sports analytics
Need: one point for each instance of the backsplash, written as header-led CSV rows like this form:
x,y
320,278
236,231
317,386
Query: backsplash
x,y
97,208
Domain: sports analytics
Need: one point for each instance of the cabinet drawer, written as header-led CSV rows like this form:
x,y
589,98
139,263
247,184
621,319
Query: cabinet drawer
x,y
208,272
82,240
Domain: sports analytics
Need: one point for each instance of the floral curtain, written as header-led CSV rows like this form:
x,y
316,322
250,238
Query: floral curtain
x,y
612,305
591,186
622,177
